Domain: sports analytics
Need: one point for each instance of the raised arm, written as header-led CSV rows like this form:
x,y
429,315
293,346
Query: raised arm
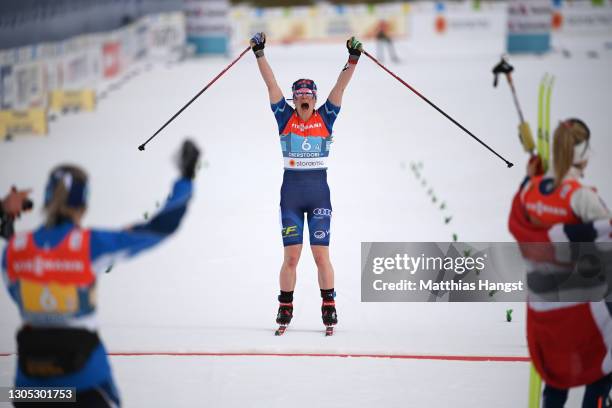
x,y
354,48
109,246
10,208
258,43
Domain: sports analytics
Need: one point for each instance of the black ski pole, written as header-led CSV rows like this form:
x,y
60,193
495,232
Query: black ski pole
x,y
505,68
142,146
436,108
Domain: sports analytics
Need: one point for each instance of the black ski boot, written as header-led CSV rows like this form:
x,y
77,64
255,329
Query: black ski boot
x,y
285,314
328,313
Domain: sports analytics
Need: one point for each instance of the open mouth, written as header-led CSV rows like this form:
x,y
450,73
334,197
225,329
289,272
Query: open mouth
x,y
304,105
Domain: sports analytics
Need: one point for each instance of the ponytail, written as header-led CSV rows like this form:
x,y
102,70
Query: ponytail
x,y
567,135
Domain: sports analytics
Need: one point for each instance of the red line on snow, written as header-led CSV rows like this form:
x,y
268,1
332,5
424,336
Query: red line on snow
x,y
396,356
512,359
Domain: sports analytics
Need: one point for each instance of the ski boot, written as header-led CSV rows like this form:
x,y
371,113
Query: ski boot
x,y
328,313
283,317
285,314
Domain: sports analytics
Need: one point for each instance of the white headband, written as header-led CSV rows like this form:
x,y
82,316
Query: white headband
x,y
582,152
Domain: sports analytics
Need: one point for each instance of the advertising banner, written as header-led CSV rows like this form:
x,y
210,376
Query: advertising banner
x,y
529,26
458,20
208,25
31,121
7,89
166,35
29,89
96,56
111,59
321,22
582,18
582,25
127,49
139,35
76,64
50,57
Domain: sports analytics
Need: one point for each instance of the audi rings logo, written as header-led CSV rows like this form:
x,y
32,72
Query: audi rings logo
x,y
322,211
319,234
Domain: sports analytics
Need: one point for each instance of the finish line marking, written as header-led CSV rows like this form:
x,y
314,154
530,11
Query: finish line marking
x,y
511,359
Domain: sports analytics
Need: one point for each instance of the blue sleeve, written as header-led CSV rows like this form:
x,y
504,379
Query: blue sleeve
x,y
5,268
10,287
107,247
167,220
580,232
282,112
329,112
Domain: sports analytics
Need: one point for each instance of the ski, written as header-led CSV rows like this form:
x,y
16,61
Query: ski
x,y
535,388
329,331
280,331
541,92
543,149
550,84
543,143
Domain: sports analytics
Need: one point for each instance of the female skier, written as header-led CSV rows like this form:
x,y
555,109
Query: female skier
x,y
568,341
305,138
51,275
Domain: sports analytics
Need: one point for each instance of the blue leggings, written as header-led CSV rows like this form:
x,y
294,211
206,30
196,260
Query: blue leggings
x,y
305,192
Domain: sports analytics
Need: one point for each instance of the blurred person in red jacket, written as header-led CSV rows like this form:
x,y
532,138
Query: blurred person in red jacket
x,y
569,341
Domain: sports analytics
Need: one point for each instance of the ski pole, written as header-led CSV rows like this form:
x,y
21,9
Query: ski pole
x,y
505,68
142,146
525,135
436,108
516,102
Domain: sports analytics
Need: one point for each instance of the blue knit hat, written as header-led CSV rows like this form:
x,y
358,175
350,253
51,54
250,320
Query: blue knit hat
x,y
304,87
76,187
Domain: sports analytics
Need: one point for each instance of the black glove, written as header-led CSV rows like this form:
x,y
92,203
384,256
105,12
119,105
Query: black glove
x,y
188,159
502,68
7,226
258,43
354,47
10,209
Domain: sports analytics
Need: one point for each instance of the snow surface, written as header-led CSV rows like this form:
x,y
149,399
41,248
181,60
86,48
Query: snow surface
x,y
212,287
